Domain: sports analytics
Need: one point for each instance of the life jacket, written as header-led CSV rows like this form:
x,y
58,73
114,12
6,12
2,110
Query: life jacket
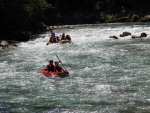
x,y
68,37
50,68
58,68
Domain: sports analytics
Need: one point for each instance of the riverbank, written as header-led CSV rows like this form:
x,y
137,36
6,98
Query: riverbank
x,y
20,20
134,18
4,44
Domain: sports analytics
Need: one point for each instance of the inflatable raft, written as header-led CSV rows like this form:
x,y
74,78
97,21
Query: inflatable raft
x,y
64,41
61,42
56,74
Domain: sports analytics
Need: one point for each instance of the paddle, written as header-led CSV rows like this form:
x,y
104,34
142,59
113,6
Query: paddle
x,y
60,61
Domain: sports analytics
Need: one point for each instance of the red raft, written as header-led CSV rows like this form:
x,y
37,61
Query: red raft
x,y
56,74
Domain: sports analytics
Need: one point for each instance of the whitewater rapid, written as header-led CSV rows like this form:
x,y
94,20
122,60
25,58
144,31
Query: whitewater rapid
x,y
106,75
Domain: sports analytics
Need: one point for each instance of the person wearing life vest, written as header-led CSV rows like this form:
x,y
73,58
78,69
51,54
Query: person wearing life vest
x,y
68,38
52,38
58,68
50,66
63,37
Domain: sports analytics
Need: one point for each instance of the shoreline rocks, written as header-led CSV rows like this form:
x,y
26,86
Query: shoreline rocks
x,y
8,43
145,18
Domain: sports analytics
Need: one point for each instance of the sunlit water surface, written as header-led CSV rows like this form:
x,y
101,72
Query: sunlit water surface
x,y
106,75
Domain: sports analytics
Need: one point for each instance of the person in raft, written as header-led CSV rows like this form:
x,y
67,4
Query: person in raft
x,y
52,38
50,66
63,37
68,38
58,68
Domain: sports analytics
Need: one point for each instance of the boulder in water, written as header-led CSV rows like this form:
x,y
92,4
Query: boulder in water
x,y
115,37
125,34
141,36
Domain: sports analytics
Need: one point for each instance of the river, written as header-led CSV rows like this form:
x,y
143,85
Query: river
x,y
106,75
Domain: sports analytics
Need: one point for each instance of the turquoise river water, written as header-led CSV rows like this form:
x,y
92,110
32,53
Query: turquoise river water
x,y
106,75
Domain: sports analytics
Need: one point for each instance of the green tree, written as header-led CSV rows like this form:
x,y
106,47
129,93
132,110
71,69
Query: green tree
x,y
21,16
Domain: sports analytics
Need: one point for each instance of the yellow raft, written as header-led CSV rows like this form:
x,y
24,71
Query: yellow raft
x,y
61,42
64,41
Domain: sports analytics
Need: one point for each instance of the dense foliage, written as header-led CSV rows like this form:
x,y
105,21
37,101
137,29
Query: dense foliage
x,y
19,18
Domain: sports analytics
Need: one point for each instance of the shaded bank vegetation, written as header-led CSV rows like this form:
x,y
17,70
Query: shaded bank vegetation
x,y
21,18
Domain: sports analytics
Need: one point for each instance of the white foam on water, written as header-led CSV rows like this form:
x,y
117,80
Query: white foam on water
x,y
103,89
101,68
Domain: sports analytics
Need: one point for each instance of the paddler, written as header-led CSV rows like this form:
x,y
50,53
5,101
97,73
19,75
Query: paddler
x,y
68,38
50,66
52,38
58,68
63,37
